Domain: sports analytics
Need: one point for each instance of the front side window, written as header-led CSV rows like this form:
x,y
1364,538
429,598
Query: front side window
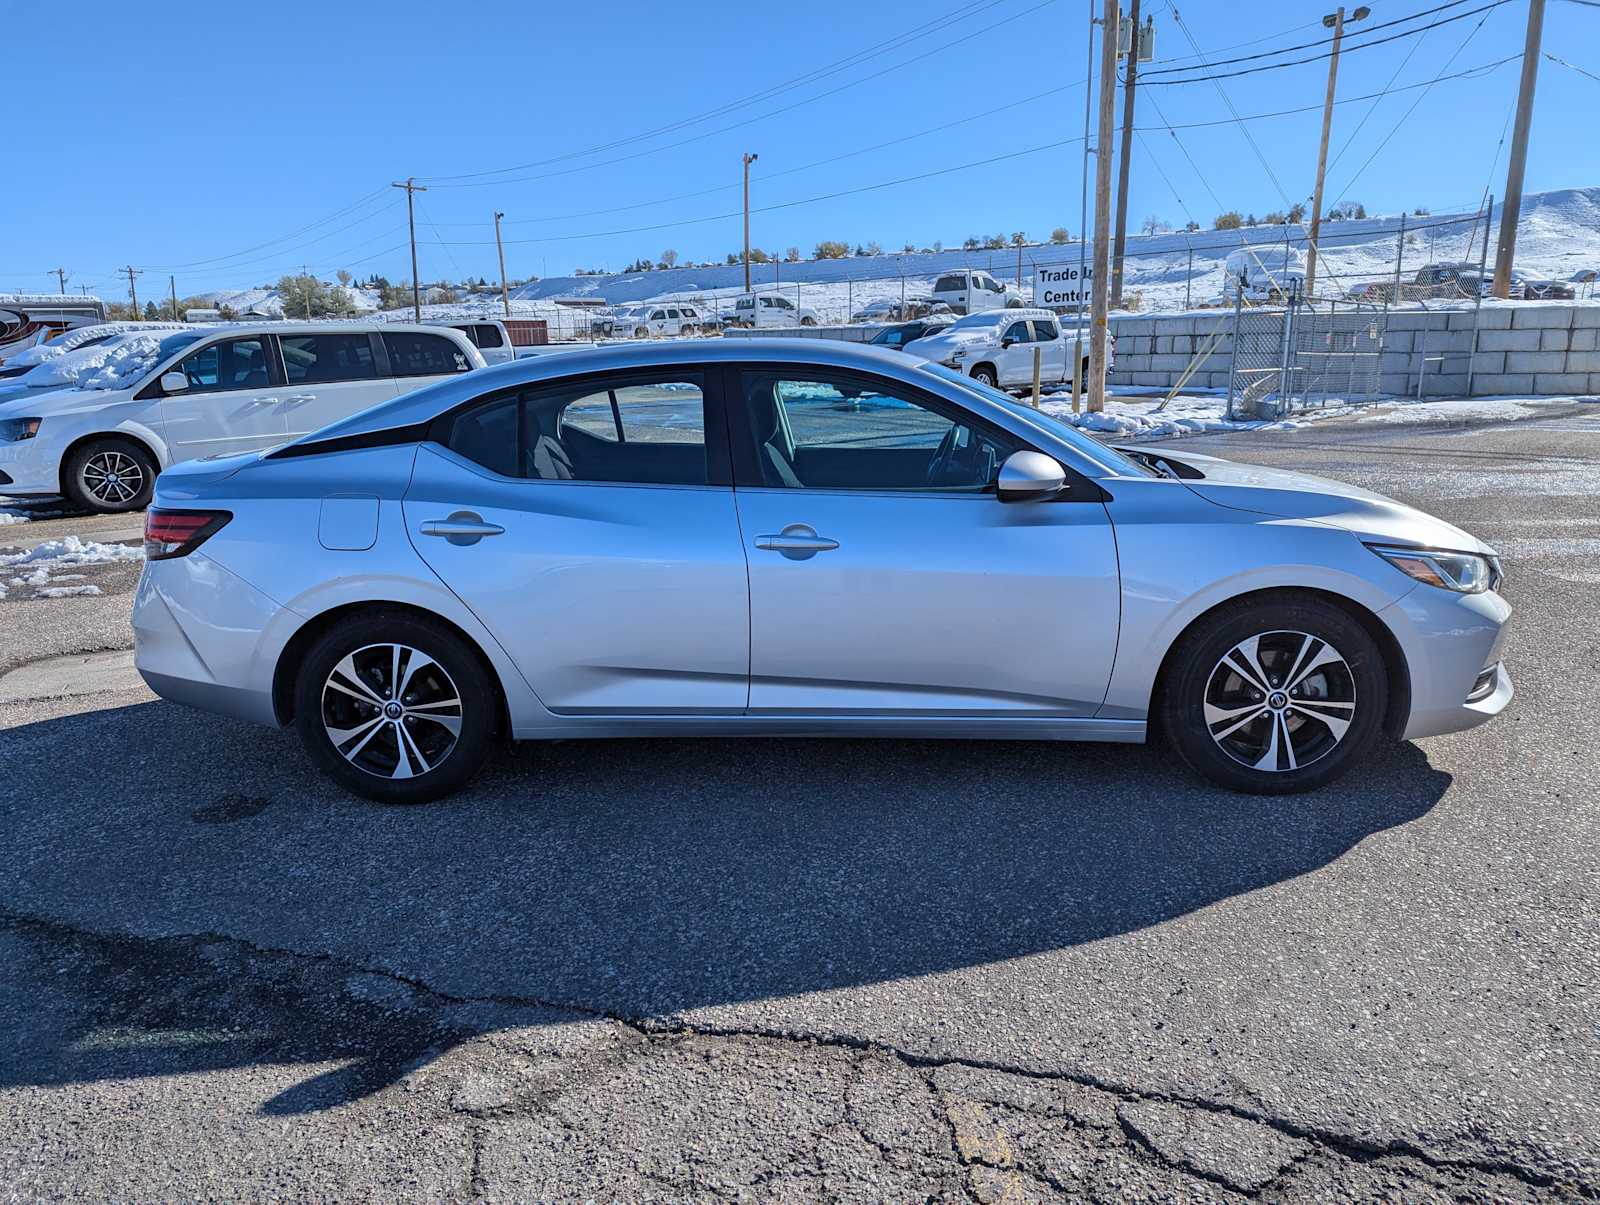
x,y
418,354
325,358
1017,332
863,433
783,303
629,431
230,364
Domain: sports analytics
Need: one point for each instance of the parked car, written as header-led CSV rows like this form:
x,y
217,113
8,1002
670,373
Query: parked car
x,y
771,309
1539,288
1273,626
489,336
1447,280
208,391
887,309
662,318
29,358
64,371
996,347
902,333
1263,272
970,292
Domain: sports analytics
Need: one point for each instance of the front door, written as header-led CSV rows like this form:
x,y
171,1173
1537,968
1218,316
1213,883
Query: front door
x,y
233,402
591,528
887,578
1015,362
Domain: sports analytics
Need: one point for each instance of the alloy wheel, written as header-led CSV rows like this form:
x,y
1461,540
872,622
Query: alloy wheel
x,y
391,710
113,478
1279,701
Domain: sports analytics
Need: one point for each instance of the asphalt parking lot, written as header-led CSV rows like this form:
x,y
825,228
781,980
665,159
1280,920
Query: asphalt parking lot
x,y
798,969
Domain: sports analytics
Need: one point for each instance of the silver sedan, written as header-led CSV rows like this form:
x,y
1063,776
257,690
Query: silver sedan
x,y
796,537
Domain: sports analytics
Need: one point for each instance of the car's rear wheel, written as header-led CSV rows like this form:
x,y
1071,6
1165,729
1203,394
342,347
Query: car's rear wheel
x,y
108,476
808,321
395,707
1275,695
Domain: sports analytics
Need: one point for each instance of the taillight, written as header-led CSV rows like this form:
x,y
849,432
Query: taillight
x,y
170,533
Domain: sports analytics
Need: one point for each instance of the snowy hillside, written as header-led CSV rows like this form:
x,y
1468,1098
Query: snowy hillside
x,y
1559,235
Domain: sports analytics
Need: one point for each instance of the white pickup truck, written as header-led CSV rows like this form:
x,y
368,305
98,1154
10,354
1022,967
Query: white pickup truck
x,y
996,347
969,291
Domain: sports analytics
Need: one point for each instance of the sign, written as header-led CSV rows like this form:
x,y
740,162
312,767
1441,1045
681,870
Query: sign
x,y
1063,288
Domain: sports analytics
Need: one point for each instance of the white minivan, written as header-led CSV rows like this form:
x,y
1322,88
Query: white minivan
x,y
207,392
771,309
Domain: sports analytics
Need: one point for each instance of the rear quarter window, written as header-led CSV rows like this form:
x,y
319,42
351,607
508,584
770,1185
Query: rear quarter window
x,y
423,355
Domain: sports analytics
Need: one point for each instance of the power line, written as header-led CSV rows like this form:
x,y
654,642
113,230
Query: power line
x,y
1267,54
1159,83
1573,66
199,263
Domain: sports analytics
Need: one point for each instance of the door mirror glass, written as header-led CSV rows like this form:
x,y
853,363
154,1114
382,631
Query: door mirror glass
x,y
174,382
1030,477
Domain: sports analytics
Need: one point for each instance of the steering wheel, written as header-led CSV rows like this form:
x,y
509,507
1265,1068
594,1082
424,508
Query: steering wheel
x,y
943,457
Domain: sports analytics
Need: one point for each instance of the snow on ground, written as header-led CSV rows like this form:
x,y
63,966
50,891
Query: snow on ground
x,y
40,567
1193,413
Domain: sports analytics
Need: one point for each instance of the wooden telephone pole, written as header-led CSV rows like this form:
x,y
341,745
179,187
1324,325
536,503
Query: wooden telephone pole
x,y
1127,155
1506,249
1101,294
1335,22
61,275
133,289
505,297
172,286
411,186
748,160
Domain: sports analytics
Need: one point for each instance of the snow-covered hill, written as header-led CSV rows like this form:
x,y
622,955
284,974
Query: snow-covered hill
x,y
1559,234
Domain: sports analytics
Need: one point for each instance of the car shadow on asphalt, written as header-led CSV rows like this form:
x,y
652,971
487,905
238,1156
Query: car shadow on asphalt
x,y
205,880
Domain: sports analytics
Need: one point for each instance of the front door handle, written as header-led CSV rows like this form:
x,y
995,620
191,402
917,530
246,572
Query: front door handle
x,y
296,398
461,528
798,542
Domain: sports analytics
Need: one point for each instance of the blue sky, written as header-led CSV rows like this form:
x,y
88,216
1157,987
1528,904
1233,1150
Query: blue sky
x,y
227,144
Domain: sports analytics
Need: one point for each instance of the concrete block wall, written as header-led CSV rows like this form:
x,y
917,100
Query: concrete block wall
x,y
1526,348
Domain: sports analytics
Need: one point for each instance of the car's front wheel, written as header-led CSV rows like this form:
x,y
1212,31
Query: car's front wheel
x,y
985,374
1274,695
108,476
395,707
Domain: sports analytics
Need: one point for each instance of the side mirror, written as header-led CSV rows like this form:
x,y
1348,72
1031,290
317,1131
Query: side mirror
x,y
174,382
1030,477
1007,341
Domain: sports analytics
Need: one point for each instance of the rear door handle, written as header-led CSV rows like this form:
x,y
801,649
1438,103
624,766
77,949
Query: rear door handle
x,y
295,398
798,542
463,527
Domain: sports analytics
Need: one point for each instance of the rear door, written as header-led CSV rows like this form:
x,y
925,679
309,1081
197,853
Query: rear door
x,y
233,403
330,375
590,525
887,578
1052,350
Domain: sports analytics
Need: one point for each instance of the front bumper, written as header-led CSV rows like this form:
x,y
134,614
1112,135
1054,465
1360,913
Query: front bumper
x,y
1449,641
31,466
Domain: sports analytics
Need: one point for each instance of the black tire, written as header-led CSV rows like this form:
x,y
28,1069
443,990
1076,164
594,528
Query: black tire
x,y
109,475
1299,734
641,332
808,321
369,760
985,374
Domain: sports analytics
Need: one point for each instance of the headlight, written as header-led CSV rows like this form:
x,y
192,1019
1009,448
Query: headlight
x,y
13,429
1463,572
954,357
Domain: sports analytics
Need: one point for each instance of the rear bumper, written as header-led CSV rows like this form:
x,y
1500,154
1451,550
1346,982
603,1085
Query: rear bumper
x,y
210,654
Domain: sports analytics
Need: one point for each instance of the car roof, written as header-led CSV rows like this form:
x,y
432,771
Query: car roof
x,y
428,403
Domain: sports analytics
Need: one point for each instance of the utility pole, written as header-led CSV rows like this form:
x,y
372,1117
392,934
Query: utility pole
x,y
1511,208
505,297
411,186
1127,154
748,160
61,275
1102,210
133,289
1083,211
172,286
1335,22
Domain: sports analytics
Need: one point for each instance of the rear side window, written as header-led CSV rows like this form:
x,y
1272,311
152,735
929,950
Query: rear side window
x,y
950,284
488,335
418,354
323,359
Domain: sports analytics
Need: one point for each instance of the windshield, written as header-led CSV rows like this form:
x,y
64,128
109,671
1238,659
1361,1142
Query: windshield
x,y
986,318
1107,458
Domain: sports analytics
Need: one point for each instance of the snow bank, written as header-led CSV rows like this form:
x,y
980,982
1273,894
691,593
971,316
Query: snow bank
x,y
70,550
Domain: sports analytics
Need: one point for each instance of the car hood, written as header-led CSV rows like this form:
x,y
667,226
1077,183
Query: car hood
x,y
63,399
938,347
1287,495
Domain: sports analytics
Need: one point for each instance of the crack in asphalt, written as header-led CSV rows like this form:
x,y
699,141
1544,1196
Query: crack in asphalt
x,y
648,1030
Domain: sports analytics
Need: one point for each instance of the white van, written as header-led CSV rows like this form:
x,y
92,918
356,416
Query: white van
x,y
489,336
771,309
207,392
969,291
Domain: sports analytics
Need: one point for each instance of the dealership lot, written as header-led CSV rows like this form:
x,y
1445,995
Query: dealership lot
x,y
700,969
